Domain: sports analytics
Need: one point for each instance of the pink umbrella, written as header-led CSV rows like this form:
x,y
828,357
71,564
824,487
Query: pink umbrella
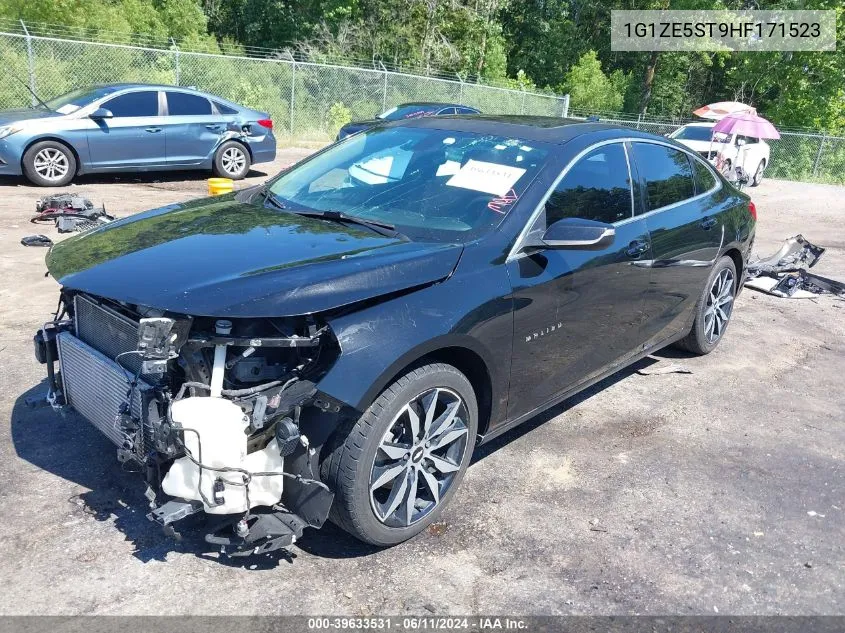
x,y
748,125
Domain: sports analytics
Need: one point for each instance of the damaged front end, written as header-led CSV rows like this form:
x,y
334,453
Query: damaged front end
x,y
209,409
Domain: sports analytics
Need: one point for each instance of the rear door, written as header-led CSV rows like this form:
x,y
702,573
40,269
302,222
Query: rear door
x,y
577,312
133,137
193,128
686,231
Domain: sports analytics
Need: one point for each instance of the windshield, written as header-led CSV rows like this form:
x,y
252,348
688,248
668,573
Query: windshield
x,y
78,98
699,133
409,112
431,184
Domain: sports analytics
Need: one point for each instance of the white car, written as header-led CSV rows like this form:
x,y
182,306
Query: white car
x,y
752,154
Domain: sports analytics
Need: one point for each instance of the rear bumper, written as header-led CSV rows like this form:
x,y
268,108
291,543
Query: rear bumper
x,y
263,151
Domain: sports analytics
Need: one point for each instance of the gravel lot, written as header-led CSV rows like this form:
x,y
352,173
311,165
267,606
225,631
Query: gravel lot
x,y
720,491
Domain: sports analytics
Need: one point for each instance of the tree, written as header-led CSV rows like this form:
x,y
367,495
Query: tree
x,y
590,89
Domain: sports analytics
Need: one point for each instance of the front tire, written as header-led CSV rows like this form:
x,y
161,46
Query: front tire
x,y
49,164
713,310
758,173
231,160
399,464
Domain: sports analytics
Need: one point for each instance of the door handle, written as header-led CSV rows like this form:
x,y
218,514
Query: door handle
x,y
637,248
213,127
708,223
153,129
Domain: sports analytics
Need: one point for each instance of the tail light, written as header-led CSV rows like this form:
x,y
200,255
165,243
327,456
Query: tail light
x,y
752,209
268,123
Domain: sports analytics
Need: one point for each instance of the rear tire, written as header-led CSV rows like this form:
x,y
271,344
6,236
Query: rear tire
x,y
231,160
49,164
416,438
713,310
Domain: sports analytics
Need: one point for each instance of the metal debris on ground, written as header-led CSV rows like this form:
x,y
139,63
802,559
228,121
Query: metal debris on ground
x,y
785,274
69,213
663,367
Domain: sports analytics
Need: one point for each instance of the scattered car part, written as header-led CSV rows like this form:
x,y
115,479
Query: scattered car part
x,y
785,274
36,240
663,367
69,213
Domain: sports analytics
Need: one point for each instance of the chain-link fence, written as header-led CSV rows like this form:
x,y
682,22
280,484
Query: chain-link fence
x,y
307,101
802,156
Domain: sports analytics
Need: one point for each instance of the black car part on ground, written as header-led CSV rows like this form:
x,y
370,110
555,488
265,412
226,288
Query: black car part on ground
x,y
784,274
36,240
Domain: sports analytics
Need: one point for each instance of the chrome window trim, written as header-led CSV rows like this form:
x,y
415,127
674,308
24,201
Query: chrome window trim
x,y
516,251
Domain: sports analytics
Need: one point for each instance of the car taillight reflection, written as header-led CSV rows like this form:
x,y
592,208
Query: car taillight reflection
x,y
752,209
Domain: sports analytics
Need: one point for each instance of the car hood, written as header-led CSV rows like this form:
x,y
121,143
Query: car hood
x,y
28,114
220,257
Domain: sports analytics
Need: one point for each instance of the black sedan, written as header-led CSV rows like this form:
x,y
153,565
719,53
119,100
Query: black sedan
x,y
337,342
406,111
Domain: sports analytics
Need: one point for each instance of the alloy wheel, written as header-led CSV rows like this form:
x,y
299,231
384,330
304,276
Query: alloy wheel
x,y
418,457
758,175
233,161
720,300
51,164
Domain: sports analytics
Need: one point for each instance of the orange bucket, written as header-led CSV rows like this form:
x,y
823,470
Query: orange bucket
x,y
218,186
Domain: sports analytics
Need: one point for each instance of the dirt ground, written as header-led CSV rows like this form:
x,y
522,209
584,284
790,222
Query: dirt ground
x,y
720,491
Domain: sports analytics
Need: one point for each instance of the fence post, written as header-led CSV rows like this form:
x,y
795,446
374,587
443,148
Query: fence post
x,y
522,111
461,93
292,91
818,155
565,113
384,90
176,53
639,118
31,63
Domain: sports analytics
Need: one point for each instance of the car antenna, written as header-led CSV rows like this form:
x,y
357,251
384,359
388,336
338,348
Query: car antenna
x,y
31,91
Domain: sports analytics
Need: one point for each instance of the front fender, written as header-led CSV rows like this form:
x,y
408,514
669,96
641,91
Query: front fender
x,y
472,312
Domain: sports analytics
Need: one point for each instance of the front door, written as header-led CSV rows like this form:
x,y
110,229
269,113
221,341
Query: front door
x,y
578,312
686,230
192,127
133,137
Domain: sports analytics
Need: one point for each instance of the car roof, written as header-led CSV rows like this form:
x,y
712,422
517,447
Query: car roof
x,y
434,104
554,130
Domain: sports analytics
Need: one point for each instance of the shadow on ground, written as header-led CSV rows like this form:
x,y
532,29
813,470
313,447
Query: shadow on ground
x,y
77,452
150,177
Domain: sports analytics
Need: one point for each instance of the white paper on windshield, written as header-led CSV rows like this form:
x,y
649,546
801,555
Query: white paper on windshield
x,y
487,177
449,168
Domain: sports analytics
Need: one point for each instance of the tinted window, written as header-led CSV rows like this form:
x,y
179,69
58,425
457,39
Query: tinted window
x,y
666,172
181,104
596,188
224,109
704,178
447,111
466,111
134,104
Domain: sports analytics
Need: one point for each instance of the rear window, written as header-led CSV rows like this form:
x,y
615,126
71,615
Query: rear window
x,y
667,174
704,178
222,108
183,104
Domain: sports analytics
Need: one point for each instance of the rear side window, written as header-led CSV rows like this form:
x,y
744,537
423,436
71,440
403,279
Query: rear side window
x,y
666,172
704,178
597,188
182,104
224,109
143,103
466,111
447,111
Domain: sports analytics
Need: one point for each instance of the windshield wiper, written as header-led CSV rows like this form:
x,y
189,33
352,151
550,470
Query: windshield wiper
x,y
268,196
382,228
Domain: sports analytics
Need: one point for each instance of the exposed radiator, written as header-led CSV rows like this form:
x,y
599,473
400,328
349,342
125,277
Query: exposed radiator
x,y
107,331
96,386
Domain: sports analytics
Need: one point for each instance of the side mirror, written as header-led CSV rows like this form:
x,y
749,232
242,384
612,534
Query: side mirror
x,y
577,233
101,113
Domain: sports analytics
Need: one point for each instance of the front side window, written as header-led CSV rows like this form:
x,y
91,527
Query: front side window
x,y
431,184
132,104
666,172
597,187
182,104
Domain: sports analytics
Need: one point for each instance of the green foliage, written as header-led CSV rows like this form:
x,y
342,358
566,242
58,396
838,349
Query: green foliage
x,y
590,88
338,116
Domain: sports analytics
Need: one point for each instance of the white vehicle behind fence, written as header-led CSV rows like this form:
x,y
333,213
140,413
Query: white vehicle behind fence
x,y
726,151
